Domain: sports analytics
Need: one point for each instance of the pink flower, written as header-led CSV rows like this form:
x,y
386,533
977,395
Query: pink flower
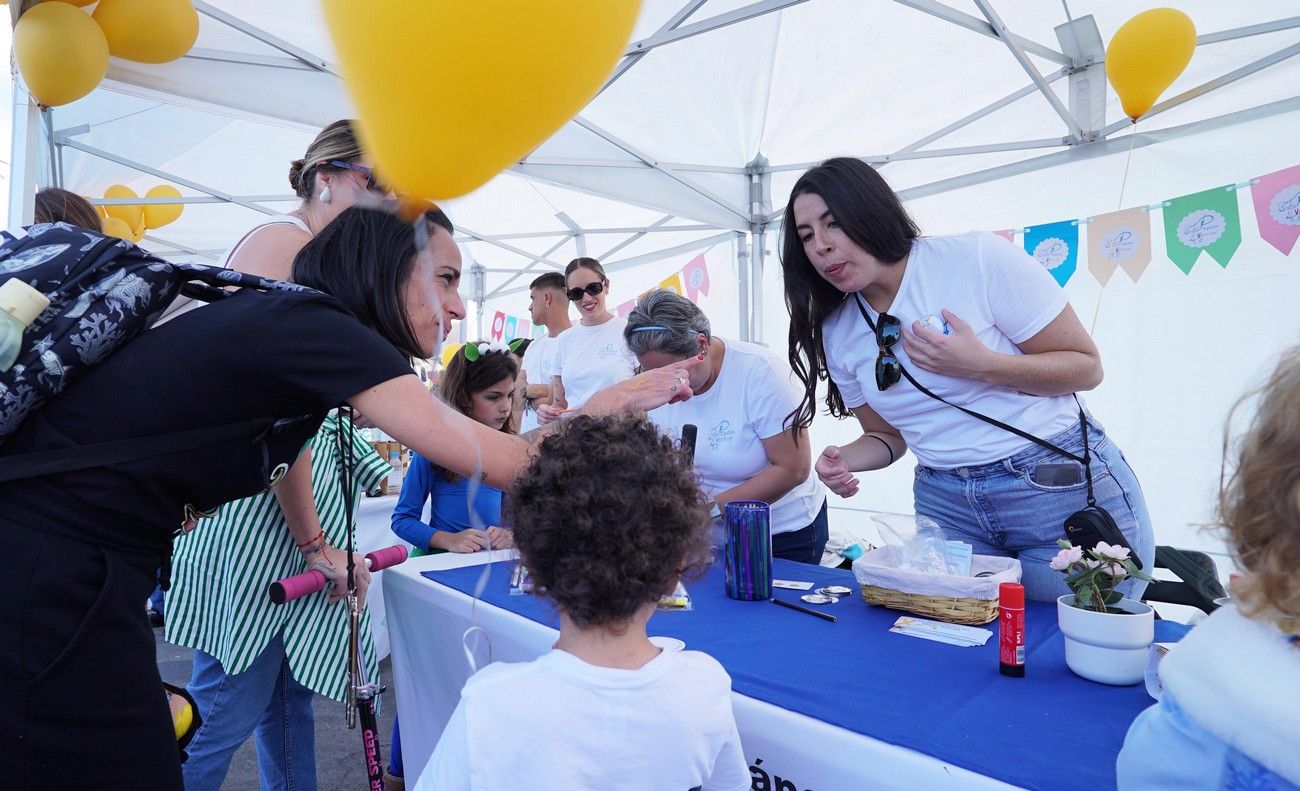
x,y
1090,563
1104,550
1117,571
1066,558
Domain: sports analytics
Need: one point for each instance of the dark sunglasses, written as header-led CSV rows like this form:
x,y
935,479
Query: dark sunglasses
x,y
593,289
889,330
373,184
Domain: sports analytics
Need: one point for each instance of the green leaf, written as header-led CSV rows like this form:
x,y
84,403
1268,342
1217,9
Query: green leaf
x,y
471,351
1114,597
1061,543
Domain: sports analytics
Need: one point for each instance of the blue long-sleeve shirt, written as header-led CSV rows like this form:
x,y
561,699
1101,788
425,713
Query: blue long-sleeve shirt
x,y
450,510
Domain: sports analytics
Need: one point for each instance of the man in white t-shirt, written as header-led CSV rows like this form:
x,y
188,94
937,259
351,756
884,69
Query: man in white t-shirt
x,y
547,307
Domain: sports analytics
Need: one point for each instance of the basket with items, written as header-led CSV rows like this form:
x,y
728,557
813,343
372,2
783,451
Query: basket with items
x,y
920,572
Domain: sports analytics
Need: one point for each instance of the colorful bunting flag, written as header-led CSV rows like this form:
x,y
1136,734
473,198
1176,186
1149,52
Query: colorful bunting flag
x,y
696,276
1277,208
1119,239
498,326
673,284
1009,234
1055,245
1207,220
511,325
626,307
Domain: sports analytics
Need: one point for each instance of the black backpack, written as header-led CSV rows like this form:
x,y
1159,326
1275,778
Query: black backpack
x,y
103,292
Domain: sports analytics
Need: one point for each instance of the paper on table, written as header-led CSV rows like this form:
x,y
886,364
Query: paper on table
x,y
951,633
792,585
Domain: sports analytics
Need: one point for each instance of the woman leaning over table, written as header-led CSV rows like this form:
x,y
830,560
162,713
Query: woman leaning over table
x,y
257,665
972,319
591,354
743,397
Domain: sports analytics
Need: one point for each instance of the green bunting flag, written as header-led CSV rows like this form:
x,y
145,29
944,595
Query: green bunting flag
x,y
1207,221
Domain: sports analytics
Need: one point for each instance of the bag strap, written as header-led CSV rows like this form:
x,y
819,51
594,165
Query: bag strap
x,y
33,465
1085,459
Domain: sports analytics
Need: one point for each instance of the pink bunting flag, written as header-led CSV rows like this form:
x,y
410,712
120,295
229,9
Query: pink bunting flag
x,y
626,307
696,277
1009,234
1277,207
498,326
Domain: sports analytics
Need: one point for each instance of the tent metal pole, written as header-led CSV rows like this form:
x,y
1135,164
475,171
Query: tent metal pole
x,y
1018,52
316,62
47,119
579,237
143,168
741,14
935,8
531,264
1248,30
631,59
23,157
742,277
655,228
190,199
642,232
542,259
760,205
1206,87
480,275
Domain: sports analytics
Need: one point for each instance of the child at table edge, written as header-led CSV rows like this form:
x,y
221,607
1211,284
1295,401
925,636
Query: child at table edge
x,y
607,518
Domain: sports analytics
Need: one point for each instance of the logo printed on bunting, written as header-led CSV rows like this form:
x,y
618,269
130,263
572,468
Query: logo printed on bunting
x,y
1055,245
696,276
1119,239
498,326
511,325
1277,208
1208,221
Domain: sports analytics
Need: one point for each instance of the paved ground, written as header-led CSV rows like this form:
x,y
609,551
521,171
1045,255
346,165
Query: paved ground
x,y
338,750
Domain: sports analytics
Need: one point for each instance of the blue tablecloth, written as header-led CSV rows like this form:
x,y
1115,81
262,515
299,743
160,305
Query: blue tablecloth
x,y
1051,729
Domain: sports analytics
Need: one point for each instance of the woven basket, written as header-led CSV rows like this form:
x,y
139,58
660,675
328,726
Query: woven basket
x,y
967,611
943,597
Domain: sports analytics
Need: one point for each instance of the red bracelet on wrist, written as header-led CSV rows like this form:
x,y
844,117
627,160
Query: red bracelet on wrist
x,y
313,539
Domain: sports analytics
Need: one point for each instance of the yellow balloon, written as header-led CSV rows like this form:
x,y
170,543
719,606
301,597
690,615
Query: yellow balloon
x,y
132,215
1147,54
61,52
148,31
450,92
159,214
449,351
82,3
116,227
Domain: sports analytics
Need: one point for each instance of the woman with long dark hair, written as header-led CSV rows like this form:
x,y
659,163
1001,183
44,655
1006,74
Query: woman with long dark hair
x,y
880,312
78,674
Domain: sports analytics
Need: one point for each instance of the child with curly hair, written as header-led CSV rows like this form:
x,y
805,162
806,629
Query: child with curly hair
x,y
607,518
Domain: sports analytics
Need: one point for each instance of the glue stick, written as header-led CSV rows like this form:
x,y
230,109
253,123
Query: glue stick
x,y
1011,629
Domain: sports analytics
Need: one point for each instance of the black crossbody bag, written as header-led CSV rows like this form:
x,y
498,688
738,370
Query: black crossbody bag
x,y
1083,528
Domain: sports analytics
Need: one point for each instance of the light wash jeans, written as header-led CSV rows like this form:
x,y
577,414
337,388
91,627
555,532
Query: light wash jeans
x,y
265,701
999,510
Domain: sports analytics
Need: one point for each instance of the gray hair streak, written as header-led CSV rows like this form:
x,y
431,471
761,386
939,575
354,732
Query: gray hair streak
x,y
664,321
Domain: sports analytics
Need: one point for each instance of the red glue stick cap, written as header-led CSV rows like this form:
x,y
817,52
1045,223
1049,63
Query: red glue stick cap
x,y
1011,595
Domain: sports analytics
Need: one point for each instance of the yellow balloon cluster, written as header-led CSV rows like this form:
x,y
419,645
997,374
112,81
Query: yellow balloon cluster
x,y
63,52
1146,55
460,90
130,220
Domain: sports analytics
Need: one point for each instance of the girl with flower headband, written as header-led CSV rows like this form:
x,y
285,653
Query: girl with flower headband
x,y
479,383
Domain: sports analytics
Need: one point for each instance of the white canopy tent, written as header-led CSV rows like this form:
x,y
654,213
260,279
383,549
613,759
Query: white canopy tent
x,y
983,113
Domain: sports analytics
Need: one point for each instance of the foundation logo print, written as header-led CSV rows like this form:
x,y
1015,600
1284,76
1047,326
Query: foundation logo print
x,y
1120,244
723,432
1285,206
1054,246
1051,253
1202,228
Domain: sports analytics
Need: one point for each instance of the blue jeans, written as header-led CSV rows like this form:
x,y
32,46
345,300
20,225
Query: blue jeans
x,y
999,510
806,544
264,700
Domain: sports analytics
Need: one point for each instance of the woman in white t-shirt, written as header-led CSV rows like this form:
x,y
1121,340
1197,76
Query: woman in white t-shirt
x,y
878,309
743,397
590,355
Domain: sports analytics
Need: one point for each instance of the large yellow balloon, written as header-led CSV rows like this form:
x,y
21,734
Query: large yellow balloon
x,y
156,215
115,227
82,3
61,52
129,214
1147,54
148,31
451,92
449,351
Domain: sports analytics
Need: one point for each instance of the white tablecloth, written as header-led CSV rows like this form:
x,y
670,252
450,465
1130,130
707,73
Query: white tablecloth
x,y
427,626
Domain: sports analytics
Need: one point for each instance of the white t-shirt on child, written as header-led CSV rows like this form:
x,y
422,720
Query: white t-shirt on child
x,y
1006,297
589,359
748,403
559,724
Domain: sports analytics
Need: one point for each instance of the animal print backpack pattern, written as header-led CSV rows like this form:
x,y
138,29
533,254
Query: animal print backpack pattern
x,y
103,292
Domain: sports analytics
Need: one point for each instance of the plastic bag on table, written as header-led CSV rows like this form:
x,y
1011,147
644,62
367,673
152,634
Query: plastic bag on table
x,y
920,541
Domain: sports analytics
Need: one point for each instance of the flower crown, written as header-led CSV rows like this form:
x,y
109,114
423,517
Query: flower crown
x,y
473,351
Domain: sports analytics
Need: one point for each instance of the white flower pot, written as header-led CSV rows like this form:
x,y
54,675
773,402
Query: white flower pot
x,y
1107,647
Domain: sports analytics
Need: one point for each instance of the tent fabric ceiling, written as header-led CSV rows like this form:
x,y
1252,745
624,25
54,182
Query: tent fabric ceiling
x,y
793,83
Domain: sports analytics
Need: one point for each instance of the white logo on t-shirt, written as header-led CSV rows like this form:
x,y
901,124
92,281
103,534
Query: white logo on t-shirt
x,y
607,351
1202,228
721,433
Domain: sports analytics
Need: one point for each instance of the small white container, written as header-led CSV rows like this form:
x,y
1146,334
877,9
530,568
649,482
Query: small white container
x,y
1107,647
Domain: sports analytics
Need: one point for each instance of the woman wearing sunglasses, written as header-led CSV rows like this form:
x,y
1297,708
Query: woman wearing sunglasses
x,y
256,674
743,395
884,312
590,355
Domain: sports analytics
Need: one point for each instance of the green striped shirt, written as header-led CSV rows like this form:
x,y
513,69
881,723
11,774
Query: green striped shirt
x,y
220,573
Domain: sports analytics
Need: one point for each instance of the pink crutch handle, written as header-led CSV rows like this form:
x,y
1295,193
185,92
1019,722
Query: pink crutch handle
x,y
384,558
297,586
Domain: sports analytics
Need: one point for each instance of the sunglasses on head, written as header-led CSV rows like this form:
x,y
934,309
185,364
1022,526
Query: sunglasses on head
x,y
889,330
372,182
593,289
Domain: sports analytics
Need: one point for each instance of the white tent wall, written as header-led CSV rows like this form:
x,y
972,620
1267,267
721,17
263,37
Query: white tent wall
x,y
1178,350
